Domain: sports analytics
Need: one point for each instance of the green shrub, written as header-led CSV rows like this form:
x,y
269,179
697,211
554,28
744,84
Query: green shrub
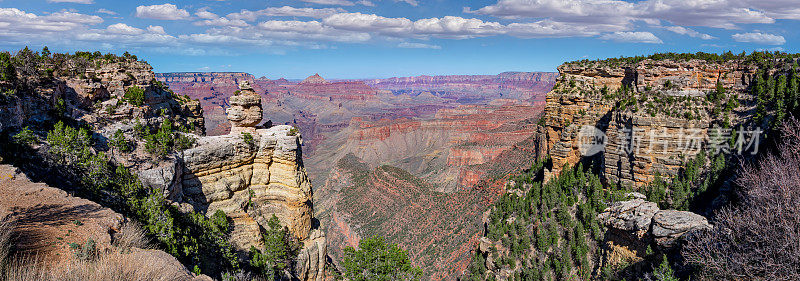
x,y
248,138
187,236
376,259
25,137
86,252
134,95
280,249
120,142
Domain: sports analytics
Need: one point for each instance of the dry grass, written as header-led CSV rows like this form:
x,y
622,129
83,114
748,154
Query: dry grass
x,y
6,242
128,263
112,267
131,235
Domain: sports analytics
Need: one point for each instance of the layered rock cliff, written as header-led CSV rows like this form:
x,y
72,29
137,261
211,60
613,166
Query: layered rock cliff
x,y
251,174
473,88
654,114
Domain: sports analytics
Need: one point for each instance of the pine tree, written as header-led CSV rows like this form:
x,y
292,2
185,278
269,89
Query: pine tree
x,y
760,90
793,92
378,260
664,272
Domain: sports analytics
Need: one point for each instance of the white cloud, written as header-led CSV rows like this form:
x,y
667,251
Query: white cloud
x,y
121,28
18,23
457,27
156,29
72,1
331,2
728,14
205,14
550,29
107,12
366,3
285,11
223,22
369,23
690,32
162,12
759,38
410,2
410,45
632,37
70,17
293,26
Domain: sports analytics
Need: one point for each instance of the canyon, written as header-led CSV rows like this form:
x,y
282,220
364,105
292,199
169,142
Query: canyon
x,y
441,145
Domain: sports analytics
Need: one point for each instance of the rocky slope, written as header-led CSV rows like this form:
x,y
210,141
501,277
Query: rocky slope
x,y
47,221
445,150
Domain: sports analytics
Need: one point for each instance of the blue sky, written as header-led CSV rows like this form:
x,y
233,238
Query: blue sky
x,y
385,38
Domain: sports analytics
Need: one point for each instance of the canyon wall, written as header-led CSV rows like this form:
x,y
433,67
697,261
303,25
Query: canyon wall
x,y
650,113
514,85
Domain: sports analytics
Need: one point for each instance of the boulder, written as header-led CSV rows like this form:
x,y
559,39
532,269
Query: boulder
x,y
669,225
632,215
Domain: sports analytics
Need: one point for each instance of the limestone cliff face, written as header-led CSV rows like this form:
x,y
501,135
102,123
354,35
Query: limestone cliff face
x,y
251,174
652,104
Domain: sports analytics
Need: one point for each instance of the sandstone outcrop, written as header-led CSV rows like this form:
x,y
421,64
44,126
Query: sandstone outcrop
x,y
635,224
252,174
633,216
669,225
648,112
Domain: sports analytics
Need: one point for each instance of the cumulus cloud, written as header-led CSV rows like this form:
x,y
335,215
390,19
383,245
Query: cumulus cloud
x,y
17,22
156,29
366,3
552,29
331,2
205,14
161,12
411,45
223,22
690,32
632,37
285,11
457,27
72,1
369,23
107,12
728,14
759,38
124,29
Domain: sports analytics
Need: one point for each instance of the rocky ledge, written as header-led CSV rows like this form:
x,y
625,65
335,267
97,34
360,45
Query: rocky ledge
x,y
251,174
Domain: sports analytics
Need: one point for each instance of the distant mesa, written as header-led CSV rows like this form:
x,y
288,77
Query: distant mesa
x,y
314,79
